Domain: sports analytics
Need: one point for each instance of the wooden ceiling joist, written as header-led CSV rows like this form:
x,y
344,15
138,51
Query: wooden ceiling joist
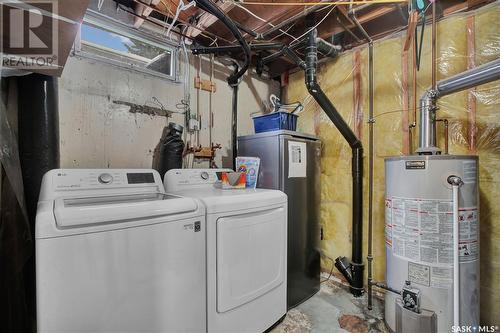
x,y
205,20
144,11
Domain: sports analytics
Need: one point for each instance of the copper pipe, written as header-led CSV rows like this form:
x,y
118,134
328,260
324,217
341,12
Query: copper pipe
x,y
410,138
433,45
446,134
414,92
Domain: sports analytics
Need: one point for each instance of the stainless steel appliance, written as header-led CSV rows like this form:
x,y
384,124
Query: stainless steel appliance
x,y
432,242
290,162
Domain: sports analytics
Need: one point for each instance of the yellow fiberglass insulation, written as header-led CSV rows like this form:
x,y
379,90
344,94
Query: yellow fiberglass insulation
x,y
464,40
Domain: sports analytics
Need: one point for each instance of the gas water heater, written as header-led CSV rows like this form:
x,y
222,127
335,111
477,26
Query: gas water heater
x,y
419,225
432,225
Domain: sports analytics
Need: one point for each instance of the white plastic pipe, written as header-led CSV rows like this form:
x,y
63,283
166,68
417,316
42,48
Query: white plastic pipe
x,y
456,264
455,183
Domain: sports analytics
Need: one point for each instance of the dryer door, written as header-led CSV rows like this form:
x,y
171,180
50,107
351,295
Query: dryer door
x,y
251,256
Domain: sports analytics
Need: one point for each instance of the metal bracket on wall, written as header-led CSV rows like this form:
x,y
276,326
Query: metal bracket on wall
x,y
145,109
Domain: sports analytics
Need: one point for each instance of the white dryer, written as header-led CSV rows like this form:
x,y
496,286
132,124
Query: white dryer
x,y
114,253
246,251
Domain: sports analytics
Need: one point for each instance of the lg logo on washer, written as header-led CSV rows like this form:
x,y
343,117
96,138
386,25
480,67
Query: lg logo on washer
x,y
193,226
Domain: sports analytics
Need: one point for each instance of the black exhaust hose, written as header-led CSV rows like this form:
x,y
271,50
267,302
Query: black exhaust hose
x,y
211,8
235,48
354,272
234,121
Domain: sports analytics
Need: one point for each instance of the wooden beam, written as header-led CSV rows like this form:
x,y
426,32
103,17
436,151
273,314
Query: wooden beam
x,y
331,27
169,7
273,16
143,11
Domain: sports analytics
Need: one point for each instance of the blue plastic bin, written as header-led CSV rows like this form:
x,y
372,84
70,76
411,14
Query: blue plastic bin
x,y
275,121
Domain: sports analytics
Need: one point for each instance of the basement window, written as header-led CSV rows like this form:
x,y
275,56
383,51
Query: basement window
x,y
105,39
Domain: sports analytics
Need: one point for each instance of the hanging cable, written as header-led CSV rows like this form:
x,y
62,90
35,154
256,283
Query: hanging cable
x,y
181,7
314,3
315,26
235,78
283,33
263,20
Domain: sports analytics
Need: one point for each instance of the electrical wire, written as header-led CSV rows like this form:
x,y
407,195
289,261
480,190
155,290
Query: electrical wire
x,y
180,7
162,25
263,20
162,107
99,4
185,103
213,40
281,34
331,269
315,26
315,3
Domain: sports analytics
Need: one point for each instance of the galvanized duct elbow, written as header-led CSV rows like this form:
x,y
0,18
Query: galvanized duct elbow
x,y
427,138
428,103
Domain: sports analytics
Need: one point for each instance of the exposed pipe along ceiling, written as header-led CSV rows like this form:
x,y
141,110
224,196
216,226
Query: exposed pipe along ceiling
x,y
430,198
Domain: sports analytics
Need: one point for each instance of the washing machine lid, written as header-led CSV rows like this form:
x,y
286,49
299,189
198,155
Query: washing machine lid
x,y
91,210
218,200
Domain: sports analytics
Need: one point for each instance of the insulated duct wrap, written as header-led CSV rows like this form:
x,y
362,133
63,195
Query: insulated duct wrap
x,y
468,39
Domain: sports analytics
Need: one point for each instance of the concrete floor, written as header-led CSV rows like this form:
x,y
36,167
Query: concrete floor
x,y
332,310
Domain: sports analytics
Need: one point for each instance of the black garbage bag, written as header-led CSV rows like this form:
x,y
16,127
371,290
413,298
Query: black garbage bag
x,y
168,152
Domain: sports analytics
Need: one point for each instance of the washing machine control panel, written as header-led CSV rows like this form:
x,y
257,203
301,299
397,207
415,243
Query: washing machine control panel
x,y
105,178
64,179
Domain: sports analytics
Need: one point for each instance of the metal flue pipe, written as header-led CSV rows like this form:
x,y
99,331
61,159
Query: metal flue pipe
x,y
428,103
371,121
353,270
470,78
427,143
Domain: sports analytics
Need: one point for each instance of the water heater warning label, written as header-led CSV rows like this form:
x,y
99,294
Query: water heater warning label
x,y
468,241
422,231
419,273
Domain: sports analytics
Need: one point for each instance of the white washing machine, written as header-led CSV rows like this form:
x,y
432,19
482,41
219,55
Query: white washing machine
x,y
246,251
114,253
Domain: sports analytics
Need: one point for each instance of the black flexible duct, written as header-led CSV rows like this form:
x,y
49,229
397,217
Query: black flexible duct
x,y
234,120
209,7
352,271
235,48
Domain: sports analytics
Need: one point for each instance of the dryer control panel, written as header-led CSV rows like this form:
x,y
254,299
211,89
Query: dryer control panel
x,y
180,179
